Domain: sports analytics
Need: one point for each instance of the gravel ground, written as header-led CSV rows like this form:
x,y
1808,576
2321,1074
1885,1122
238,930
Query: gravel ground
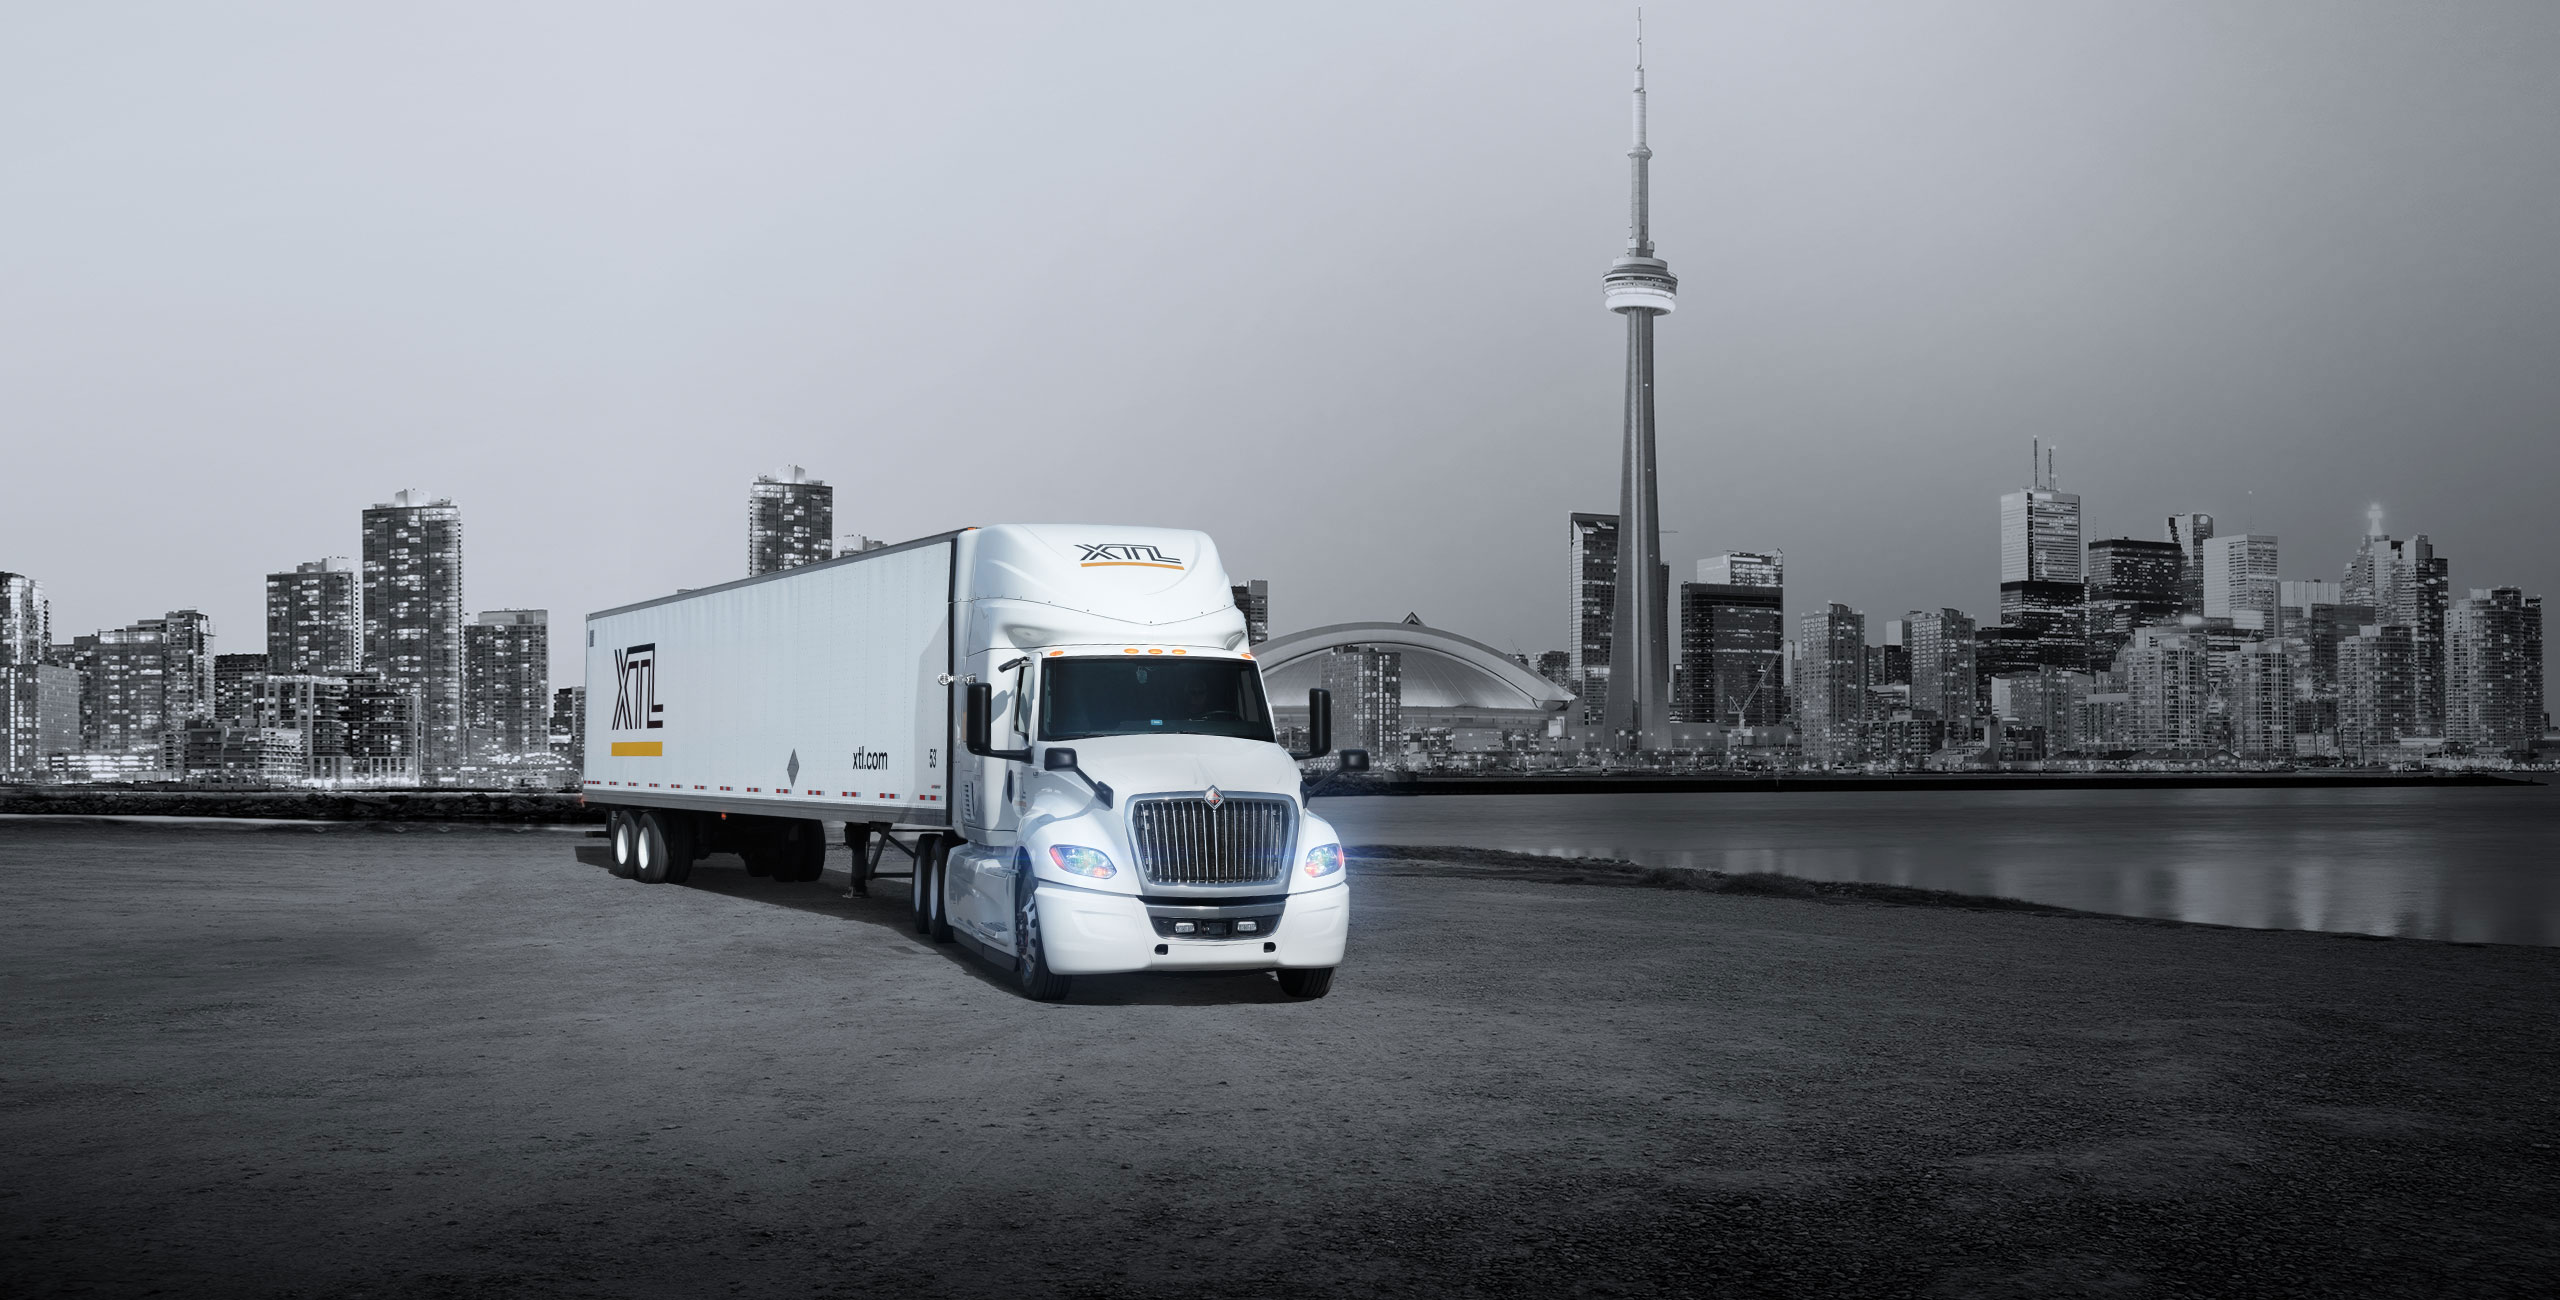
x,y
333,1062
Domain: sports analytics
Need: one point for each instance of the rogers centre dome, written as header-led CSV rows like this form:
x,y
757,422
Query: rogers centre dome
x,y
1457,679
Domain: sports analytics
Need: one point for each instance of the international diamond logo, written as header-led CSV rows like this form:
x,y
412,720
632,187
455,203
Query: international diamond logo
x,y
793,772
1215,798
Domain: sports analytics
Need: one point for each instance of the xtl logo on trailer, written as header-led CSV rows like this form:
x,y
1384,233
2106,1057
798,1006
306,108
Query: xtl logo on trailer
x,y
1098,555
635,689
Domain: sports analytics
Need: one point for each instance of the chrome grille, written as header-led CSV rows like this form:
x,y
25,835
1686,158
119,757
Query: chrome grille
x,y
1189,842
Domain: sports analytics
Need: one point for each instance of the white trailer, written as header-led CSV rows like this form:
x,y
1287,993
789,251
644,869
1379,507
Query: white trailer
x,y
1065,720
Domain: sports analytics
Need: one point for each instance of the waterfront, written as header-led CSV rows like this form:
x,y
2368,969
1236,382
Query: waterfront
x,y
2475,864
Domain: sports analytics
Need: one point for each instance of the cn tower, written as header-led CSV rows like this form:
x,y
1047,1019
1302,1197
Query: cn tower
x,y
1639,286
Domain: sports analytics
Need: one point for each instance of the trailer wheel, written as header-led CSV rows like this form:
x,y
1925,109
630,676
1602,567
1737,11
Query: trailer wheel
x,y
758,854
619,830
809,851
681,841
1030,960
940,900
1307,985
650,857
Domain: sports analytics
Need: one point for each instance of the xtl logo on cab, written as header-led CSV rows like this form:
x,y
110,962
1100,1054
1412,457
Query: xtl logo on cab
x,y
635,689
1103,554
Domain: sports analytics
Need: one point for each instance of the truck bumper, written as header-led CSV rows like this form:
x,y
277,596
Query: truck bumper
x,y
1100,934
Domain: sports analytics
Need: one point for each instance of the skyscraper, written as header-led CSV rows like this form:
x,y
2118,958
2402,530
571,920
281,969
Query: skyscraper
x,y
1942,663
1831,686
506,655
1733,640
2189,533
2168,684
1368,700
413,617
2493,671
791,521
2262,700
2240,582
315,623
1891,664
1253,600
2040,530
2132,583
26,620
2377,691
569,726
2407,583
1591,607
129,671
1639,286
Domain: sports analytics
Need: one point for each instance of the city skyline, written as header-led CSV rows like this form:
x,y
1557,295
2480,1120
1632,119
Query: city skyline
x,y
1898,304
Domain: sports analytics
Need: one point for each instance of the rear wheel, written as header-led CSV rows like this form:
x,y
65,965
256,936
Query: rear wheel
x,y
620,831
809,851
649,850
938,898
1031,960
1307,985
680,846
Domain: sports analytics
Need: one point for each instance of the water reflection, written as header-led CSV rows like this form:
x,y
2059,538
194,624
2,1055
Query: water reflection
x,y
2472,863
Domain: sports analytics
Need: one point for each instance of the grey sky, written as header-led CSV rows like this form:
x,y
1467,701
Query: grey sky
x,y
1327,286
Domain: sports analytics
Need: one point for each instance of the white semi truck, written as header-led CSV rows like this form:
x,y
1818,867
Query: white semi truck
x,y
1065,721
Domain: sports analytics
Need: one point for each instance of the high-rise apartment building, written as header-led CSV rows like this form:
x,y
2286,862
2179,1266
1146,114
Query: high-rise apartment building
x,y
1253,600
2262,700
233,685
1891,663
1831,686
2047,699
569,726
2168,683
1942,665
2240,582
2132,583
2189,533
506,693
315,619
2407,583
2493,671
2377,691
129,668
1368,700
791,521
1591,606
413,617
186,638
39,716
26,620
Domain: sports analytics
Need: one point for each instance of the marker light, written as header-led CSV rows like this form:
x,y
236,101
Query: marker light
x,y
1322,860
1083,861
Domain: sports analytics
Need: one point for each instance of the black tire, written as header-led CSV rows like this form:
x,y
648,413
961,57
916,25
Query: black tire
x,y
758,855
619,832
809,852
1305,984
1031,960
938,898
650,862
920,890
679,828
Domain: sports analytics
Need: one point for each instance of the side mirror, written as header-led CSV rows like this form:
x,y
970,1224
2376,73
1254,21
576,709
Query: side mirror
x,y
1059,758
1319,725
1355,760
977,724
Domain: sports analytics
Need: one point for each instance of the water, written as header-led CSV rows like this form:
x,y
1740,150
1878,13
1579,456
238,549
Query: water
x,y
2478,863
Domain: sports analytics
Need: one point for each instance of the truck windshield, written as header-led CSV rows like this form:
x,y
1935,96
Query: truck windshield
x,y
1137,697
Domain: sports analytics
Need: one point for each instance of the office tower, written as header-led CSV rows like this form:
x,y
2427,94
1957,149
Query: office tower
x,y
2262,700
2040,530
2189,533
315,622
26,620
2240,581
506,694
1368,700
791,519
2132,583
2493,671
1639,287
1942,666
1253,600
1997,649
1831,686
1733,643
413,617
2054,616
233,688
1745,569
1893,658
1591,606
569,726
2377,691
2168,674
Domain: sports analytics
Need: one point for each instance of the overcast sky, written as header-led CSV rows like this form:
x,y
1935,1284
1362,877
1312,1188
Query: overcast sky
x,y
1322,280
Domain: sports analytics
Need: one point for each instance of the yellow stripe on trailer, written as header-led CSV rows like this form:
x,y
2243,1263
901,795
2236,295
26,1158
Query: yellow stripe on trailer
x,y
639,749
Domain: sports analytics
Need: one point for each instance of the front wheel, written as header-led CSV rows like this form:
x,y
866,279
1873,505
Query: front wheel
x,y
1307,985
1030,959
938,898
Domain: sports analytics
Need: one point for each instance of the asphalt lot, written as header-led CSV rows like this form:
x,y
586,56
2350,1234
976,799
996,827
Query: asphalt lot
x,y
351,1061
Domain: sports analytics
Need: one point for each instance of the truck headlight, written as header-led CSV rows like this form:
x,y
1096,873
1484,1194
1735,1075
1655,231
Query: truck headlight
x,y
1324,859
1083,861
